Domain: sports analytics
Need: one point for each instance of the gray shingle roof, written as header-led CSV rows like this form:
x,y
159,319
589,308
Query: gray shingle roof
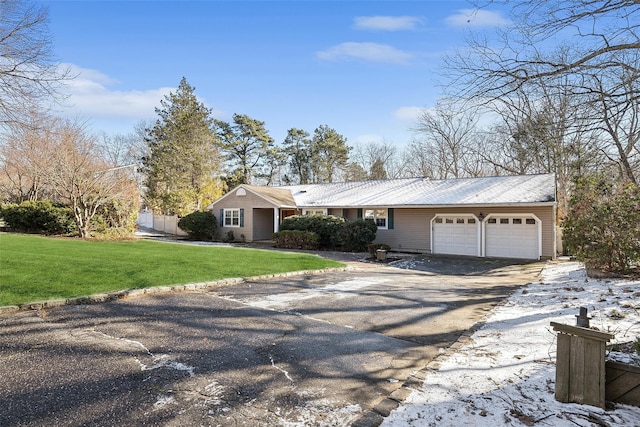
x,y
521,189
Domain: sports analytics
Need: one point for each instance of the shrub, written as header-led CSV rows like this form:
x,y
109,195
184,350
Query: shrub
x,y
327,227
38,217
373,247
199,225
229,237
116,217
296,239
601,227
357,235
114,234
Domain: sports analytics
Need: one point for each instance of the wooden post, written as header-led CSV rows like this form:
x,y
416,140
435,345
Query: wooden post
x,y
580,367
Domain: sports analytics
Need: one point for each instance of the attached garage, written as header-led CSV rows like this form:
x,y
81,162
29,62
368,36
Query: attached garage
x,y
456,234
513,236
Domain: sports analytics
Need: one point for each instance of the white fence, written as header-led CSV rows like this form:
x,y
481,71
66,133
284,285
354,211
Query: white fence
x,y
164,223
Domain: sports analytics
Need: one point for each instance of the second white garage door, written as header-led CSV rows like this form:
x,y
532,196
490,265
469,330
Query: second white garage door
x,y
456,235
509,236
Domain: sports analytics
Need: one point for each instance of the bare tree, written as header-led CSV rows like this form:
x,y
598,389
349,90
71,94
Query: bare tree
x,y
598,34
615,114
29,75
447,143
380,159
79,175
544,128
21,151
60,161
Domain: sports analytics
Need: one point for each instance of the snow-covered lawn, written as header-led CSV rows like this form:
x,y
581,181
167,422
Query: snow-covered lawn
x,y
505,374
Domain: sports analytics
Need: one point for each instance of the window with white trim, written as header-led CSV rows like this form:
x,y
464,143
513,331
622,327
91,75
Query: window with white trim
x,y
314,212
379,216
232,217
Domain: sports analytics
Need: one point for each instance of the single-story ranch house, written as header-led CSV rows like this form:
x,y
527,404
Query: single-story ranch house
x,y
502,216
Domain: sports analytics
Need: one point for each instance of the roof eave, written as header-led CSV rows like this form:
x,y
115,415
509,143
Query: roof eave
x,y
453,205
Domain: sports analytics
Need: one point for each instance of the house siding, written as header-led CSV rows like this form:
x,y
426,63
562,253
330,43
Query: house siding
x,y
248,203
412,226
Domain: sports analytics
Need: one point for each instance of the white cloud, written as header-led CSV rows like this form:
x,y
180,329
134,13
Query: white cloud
x,y
386,23
476,18
90,96
408,114
372,52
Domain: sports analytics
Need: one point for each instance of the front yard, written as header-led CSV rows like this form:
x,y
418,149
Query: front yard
x,y
34,268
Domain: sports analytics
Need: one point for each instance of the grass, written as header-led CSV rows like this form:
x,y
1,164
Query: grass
x,y
34,268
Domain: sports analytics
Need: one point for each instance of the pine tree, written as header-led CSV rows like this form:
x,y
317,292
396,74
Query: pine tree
x,y
329,154
183,155
297,146
246,144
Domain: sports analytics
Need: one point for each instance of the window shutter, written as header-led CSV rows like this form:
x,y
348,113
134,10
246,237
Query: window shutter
x,y
359,214
221,218
241,217
390,218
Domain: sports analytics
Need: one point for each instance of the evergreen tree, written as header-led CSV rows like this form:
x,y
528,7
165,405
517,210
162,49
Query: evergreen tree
x,y
183,155
246,144
377,170
297,147
329,154
355,172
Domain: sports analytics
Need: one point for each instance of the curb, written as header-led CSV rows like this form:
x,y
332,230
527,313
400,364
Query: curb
x,y
375,416
133,293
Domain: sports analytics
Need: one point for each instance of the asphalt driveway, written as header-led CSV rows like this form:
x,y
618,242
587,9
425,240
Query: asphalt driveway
x,y
319,349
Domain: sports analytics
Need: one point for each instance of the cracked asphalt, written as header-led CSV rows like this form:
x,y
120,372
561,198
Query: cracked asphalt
x,y
316,349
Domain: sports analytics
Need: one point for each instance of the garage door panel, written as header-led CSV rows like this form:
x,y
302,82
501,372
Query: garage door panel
x,y
455,236
512,237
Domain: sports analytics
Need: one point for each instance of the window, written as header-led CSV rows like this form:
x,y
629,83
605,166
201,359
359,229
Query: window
x,y
504,220
531,221
516,221
471,221
491,221
379,216
314,212
232,217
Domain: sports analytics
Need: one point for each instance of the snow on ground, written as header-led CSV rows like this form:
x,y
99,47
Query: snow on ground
x,y
505,374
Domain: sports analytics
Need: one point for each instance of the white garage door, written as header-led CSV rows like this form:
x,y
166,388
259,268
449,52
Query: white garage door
x,y
512,237
455,235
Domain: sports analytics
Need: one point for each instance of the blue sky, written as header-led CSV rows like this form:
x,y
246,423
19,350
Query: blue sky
x,y
363,68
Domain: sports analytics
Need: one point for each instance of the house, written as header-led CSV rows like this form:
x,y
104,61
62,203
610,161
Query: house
x,y
502,216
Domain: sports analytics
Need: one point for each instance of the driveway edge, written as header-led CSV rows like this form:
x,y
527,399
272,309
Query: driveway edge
x,y
132,293
374,417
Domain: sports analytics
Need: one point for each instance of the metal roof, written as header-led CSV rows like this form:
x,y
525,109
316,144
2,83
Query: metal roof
x,y
505,190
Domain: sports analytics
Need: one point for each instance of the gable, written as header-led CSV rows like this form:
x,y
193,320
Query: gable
x,y
256,195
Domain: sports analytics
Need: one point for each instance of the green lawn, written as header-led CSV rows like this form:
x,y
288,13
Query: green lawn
x,y
34,268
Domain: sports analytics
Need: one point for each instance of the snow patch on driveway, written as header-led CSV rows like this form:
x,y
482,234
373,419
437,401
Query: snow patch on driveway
x,y
339,290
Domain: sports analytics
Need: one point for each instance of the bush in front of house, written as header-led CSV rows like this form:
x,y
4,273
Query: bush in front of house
x,y
296,239
38,217
199,225
357,235
327,227
601,227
